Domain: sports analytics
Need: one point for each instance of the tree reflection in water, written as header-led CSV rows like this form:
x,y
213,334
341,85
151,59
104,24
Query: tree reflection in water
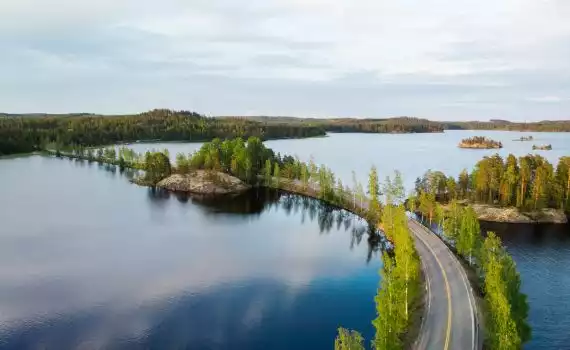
x,y
255,202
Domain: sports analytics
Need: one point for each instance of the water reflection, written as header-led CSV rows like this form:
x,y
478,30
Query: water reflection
x,y
129,267
253,203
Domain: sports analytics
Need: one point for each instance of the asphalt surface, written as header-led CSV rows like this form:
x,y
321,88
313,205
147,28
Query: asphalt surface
x,y
450,312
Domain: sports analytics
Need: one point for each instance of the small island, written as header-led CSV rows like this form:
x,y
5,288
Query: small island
x,y
525,138
480,142
542,147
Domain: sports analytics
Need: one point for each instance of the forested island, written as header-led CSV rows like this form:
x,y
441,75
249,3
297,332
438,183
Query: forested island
x,y
526,189
542,147
398,309
480,142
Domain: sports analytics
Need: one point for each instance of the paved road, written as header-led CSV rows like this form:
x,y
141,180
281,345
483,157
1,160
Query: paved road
x,y
450,321
450,315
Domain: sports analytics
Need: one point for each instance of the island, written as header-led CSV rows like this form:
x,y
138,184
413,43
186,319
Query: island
x,y
542,147
480,142
524,138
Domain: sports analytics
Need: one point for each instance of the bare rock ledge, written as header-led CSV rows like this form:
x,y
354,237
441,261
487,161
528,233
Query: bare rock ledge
x,y
513,215
203,182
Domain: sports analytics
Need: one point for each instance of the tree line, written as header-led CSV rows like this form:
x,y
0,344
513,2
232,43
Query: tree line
x,y
20,134
528,183
506,308
400,286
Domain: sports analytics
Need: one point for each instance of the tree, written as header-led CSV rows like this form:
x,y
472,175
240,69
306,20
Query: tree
x,y
182,164
304,176
157,167
389,321
452,223
524,179
469,237
374,192
439,215
562,183
509,181
451,188
502,328
276,174
267,172
348,340
463,183
543,177
427,205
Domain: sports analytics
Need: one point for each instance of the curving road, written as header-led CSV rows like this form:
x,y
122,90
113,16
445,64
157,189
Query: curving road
x,y
450,313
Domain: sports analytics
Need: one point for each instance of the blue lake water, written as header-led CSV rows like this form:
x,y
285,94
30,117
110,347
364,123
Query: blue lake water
x,y
88,259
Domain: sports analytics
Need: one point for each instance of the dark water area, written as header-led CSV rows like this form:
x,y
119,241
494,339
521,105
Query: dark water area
x,y
89,260
542,254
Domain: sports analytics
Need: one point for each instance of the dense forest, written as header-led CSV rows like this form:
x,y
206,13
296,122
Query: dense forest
x,y
528,183
388,125
21,134
545,125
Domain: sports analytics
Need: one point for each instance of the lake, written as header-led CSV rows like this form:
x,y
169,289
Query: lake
x,y
87,258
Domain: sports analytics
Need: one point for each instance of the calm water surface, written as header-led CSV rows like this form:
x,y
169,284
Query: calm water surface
x,y
542,253
88,259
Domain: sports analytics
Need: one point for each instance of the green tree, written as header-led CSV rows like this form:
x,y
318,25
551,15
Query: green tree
x,y
469,237
276,175
502,329
452,223
157,167
182,164
463,184
374,192
348,340
267,172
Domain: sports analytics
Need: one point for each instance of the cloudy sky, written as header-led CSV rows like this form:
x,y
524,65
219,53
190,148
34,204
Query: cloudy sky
x,y
441,59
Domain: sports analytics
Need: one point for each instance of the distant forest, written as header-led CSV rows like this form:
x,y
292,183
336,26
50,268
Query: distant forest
x,y
21,133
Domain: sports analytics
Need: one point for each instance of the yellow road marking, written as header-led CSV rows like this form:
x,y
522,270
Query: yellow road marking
x,y
448,333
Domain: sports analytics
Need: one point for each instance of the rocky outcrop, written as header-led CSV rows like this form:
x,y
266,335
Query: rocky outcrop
x,y
203,182
513,215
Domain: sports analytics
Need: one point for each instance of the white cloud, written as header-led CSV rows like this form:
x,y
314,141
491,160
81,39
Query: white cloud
x,y
514,43
548,99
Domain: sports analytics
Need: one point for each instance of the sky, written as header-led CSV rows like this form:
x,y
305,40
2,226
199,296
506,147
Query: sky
x,y
437,59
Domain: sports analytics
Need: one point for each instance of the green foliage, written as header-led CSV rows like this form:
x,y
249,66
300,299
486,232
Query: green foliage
x,y
528,183
374,192
400,281
507,307
157,167
348,340
24,134
182,163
